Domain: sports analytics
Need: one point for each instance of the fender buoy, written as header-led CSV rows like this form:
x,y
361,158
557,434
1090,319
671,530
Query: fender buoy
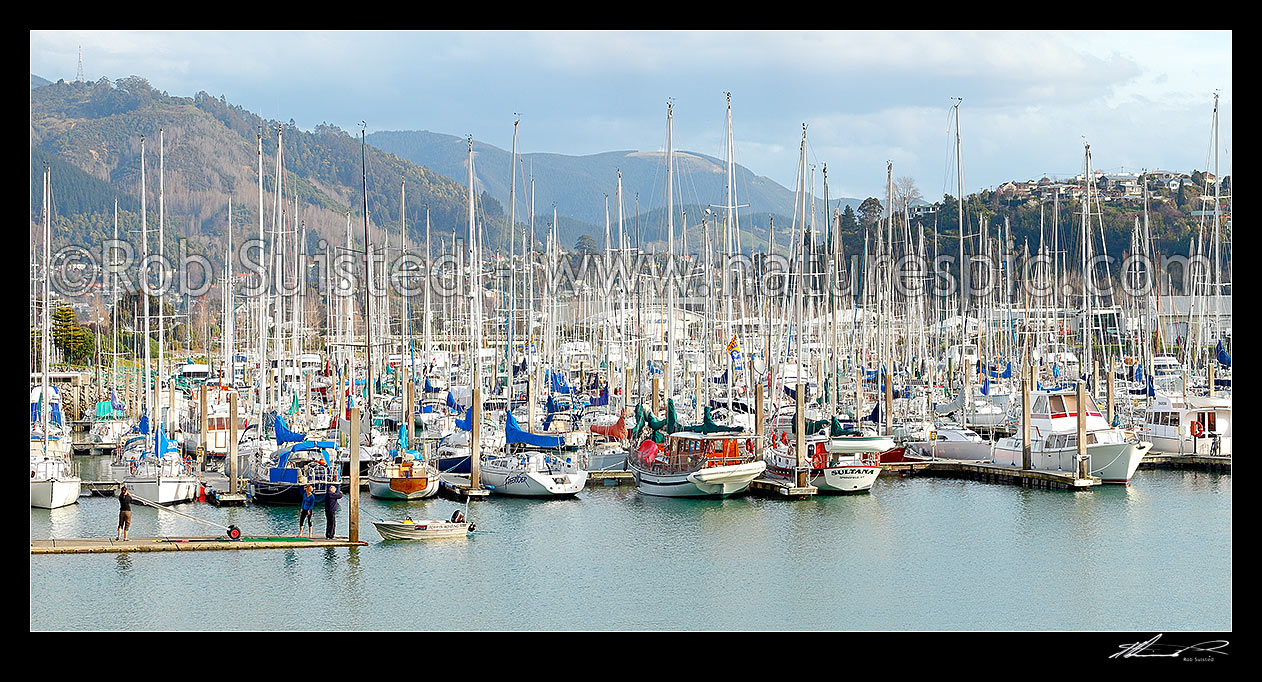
x,y
1198,429
234,533
749,444
457,516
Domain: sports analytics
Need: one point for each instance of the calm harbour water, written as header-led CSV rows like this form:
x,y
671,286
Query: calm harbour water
x,y
914,554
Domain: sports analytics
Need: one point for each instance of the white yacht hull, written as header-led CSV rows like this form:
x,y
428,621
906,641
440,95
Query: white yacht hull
x,y
720,481
853,445
54,493
1165,445
386,488
959,450
165,490
1111,462
520,483
845,479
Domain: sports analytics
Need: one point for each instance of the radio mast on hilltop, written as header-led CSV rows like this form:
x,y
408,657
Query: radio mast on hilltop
x,y
79,76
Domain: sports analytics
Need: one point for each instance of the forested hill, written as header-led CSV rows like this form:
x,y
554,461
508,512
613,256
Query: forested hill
x,y
90,134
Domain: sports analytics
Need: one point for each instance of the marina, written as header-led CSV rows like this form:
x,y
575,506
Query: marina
x,y
683,396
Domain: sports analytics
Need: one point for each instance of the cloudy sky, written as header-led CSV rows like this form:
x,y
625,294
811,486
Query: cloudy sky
x,y
1141,99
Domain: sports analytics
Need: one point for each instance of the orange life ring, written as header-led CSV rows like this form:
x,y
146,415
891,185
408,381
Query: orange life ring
x,y
1198,429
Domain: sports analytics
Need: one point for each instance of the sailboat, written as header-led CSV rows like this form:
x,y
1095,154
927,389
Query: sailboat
x,y
160,476
404,476
54,481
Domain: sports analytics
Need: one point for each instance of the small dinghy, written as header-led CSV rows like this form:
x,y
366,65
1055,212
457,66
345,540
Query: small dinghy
x,y
408,529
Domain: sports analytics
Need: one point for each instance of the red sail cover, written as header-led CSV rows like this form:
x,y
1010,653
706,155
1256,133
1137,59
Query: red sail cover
x,y
616,430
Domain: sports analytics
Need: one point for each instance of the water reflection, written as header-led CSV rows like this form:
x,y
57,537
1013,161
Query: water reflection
x,y
1120,555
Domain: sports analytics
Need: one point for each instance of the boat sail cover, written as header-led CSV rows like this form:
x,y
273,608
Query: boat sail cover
x,y
707,424
1005,374
560,384
54,413
1224,358
321,446
106,409
514,434
616,430
465,423
948,408
284,435
602,399
164,445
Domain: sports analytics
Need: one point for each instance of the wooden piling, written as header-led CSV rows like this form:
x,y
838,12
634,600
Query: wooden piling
x,y
232,442
1109,383
353,526
758,416
799,428
205,421
409,403
530,402
475,450
657,401
1026,456
699,398
1082,427
1212,362
889,404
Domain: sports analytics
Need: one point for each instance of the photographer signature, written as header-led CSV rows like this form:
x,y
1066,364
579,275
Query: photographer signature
x,y
1138,649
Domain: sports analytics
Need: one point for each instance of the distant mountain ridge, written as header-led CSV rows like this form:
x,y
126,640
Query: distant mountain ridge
x,y
36,81
578,185
90,133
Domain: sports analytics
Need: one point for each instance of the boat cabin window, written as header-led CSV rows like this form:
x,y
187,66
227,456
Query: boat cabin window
x,y
1040,405
1057,404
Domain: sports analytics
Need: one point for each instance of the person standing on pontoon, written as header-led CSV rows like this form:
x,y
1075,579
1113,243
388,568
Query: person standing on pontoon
x,y
330,510
308,503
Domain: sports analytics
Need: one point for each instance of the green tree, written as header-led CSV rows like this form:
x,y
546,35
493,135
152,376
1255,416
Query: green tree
x,y
585,244
869,212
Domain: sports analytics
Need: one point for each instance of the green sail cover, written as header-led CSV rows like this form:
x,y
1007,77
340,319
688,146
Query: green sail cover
x,y
835,429
105,410
671,424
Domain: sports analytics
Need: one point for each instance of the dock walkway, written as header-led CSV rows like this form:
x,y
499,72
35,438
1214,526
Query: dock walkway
x,y
992,473
181,544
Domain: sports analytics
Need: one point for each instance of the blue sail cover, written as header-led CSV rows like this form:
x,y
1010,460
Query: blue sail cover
x,y
403,436
164,445
601,400
143,426
1224,358
465,423
876,414
429,388
301,446
284,435
1141,391
1056,370
1005,374
118,404
514,434
721,379
560,384
554,406
54,413
594,383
